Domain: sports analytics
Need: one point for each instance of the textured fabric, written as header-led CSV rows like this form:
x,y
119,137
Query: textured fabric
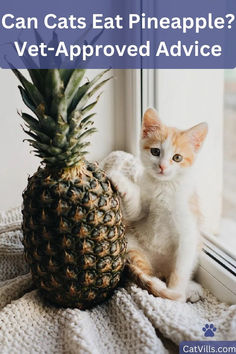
x,y
132,321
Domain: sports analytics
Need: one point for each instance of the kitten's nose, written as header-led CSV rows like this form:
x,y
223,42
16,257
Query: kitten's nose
x,y
162,168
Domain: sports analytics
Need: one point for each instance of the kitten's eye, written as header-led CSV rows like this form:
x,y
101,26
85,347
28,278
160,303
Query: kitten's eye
x,y
155,151
177,158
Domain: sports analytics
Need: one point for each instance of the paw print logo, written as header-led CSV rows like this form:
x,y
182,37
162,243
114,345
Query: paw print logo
x,y
209,330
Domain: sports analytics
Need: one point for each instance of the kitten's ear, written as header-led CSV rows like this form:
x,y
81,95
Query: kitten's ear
x,y
197,135
151,122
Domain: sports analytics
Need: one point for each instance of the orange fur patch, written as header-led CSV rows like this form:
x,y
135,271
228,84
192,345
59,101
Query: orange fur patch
x,y
183,147
197,135
138,259
195,208
185,142
169,294
160,134
140,271
179,139
164,293
151,125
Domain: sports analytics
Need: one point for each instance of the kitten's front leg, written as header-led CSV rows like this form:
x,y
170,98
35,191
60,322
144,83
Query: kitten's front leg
x,y
130,195
186,257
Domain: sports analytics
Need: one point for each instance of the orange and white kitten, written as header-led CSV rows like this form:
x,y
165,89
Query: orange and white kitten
x,y
159,206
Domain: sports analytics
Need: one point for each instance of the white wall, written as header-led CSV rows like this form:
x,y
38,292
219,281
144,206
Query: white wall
x,y
16,161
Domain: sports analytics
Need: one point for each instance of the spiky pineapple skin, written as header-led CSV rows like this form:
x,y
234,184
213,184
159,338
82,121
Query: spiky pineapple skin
x,y
73,235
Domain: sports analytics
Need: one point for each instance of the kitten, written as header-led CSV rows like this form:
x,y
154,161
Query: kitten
x,y
160,208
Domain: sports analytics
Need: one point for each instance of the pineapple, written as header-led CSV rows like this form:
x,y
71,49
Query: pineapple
x,y
72,224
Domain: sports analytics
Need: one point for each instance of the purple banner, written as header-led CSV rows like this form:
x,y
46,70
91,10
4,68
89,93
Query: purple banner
x,y
118,34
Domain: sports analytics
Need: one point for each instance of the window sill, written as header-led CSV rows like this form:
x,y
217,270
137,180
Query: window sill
x,y
214,275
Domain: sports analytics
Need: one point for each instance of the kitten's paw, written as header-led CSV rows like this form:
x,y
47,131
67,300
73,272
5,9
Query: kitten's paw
x,y
118,181
194,292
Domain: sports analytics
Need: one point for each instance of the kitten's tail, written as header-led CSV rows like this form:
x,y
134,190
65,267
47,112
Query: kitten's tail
x,y
153,285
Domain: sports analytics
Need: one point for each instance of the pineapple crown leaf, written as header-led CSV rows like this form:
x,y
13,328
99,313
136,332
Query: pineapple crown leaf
x,y
36,78
31,90
54,83
27,101
91,105
60,102
83,90
37,135
85,98
31,122
65,75
73,84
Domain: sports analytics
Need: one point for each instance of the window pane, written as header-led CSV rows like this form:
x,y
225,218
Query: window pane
x,y
228,224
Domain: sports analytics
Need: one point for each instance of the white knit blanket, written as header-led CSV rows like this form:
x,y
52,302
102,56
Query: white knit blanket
x,y
132,321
